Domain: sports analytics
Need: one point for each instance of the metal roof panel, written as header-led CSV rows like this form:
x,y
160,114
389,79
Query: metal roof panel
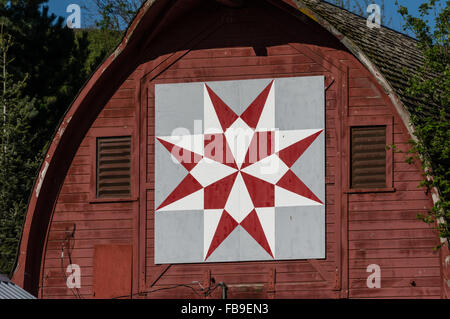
x,y
9,290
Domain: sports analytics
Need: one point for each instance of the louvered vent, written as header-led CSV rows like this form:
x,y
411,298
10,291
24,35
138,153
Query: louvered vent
x,y
114,167
368,162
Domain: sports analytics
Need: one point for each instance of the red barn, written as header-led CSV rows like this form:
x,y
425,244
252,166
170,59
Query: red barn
x,y
149,183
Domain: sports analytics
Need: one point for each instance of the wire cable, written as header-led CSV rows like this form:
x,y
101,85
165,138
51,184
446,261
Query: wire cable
x,y
75,292
206,293
63,271
159,289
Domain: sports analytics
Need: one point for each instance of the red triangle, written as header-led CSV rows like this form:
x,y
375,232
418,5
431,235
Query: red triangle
x,y
292,183
186,158
216,195
226,225
292,153
253,226
253,112
216,148
261,192
261,146
187,186
225,115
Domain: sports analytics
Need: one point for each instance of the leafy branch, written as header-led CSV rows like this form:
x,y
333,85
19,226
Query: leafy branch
x,y
431,120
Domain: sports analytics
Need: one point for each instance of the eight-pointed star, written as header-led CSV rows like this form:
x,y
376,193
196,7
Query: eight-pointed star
x,y
239,170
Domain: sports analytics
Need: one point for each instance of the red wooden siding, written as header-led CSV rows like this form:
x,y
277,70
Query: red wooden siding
x,y
361,229
383,227
112,271
102,223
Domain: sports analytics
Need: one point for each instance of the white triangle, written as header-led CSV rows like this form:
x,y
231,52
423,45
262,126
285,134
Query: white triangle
x,y
285,139
208,171
194,201
269,169
239,136
211,218
285,198
267,120
193,143
212,123
266,216
239,203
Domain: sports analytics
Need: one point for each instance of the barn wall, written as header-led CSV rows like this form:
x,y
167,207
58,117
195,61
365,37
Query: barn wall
x,y
383,227
361,229
95,223
250,278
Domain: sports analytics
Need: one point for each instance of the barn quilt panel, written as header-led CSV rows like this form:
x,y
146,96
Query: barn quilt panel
x,y
240,170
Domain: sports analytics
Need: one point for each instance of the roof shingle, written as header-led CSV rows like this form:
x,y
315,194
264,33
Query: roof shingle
x,y
396,55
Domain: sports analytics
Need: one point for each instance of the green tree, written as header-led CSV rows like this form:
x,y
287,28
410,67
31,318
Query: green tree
x,y
108,20
17,165
431,121
101,43
46,51
115,14
44,68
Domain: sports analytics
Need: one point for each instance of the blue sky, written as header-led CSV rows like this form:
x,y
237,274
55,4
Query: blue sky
x,y
391,11
59,8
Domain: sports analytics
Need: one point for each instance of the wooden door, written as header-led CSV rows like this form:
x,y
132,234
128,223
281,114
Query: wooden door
x,y
113,271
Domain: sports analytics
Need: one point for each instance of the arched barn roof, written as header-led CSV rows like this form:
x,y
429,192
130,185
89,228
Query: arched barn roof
x,y
383,51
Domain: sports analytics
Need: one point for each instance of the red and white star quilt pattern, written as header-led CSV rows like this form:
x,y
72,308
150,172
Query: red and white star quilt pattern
x,y
239,170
